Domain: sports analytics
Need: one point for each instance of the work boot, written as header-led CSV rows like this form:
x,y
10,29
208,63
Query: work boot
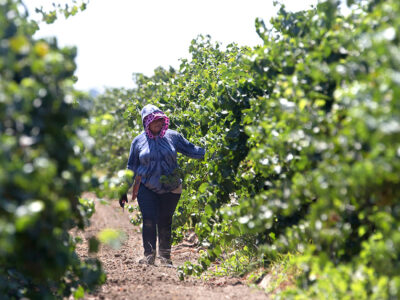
x,y
148,259
166,262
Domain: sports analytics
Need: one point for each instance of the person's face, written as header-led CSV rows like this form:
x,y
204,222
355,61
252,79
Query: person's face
x,y
156,126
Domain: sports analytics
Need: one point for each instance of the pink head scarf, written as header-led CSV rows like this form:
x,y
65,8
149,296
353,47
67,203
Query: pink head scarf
x,y
152,117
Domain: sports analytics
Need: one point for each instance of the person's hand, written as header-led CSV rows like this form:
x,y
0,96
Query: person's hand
x,y
123,200
135,191
134,195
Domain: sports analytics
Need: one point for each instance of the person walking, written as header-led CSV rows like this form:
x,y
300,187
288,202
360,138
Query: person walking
x,y
153,159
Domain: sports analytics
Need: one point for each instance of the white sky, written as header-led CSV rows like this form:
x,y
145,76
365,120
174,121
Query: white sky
x,y
120,37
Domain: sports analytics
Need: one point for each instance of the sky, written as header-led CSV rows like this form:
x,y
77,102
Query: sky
x,y
118,38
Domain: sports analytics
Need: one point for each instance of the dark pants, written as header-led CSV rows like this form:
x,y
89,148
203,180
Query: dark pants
x,y
157,211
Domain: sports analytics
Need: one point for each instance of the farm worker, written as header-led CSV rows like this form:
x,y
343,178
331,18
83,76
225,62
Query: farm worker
x,y
153,158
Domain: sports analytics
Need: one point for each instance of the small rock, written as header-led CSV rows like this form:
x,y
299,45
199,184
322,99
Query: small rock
x,y
265,282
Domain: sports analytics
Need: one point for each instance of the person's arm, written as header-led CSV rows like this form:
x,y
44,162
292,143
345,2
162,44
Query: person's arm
x,y
133,163
133,160
136,186
187,148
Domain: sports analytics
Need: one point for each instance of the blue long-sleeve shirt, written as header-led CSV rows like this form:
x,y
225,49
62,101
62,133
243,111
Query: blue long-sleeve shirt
x,y
153,158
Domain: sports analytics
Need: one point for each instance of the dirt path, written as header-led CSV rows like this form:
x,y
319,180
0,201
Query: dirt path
x,y
126,279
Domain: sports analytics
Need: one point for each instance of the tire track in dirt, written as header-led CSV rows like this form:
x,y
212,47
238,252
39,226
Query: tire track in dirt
x,y
126,279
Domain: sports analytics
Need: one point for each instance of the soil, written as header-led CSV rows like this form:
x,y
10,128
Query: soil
x,y
127,279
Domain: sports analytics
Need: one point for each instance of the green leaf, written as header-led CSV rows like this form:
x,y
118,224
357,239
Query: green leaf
x,y
112,238
203,187
79,293
93,245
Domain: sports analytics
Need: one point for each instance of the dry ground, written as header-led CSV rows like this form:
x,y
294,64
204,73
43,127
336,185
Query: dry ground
x,y
126,279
